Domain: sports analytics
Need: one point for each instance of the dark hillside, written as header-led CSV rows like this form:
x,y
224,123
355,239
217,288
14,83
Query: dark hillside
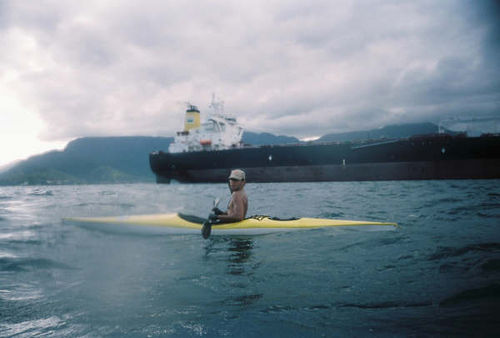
x,y
90,160
391,131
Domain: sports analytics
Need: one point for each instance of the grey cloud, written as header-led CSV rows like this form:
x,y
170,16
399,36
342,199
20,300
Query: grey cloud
x,y
304,68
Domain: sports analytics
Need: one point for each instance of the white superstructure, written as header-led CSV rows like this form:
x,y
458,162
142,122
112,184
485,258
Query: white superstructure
x,y
219,132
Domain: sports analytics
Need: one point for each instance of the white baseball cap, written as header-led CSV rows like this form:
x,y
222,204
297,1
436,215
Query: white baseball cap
x,y
237,174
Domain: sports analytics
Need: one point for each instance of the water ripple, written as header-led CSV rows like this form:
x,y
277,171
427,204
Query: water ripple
x,y
491,293
18,236
387,305
444,252
41,192
16,264
492,265
43,326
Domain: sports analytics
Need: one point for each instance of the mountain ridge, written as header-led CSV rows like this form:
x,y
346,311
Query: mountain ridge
x,y
90,160
389,131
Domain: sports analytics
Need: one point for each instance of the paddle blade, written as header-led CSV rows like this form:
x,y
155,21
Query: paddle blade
x,y
206,229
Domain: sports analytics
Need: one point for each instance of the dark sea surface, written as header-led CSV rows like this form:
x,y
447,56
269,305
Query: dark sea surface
x,y
436,275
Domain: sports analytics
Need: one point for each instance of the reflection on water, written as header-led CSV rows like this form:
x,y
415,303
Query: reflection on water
x,y
240,253
237,252
241,265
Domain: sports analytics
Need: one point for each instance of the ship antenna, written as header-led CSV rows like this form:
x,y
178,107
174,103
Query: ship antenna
x,y
217,105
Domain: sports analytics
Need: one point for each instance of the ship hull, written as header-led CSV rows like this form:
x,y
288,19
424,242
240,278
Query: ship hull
x,y
438,157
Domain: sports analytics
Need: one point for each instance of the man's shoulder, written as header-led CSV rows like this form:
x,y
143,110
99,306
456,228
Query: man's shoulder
x,y
240,194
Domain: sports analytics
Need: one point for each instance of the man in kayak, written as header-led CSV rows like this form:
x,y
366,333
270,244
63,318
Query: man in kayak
x,y
237,207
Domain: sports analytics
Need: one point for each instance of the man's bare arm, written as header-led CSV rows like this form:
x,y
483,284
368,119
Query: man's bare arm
x,y
237,211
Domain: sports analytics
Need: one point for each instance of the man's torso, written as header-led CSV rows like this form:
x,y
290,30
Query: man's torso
x,y
238,200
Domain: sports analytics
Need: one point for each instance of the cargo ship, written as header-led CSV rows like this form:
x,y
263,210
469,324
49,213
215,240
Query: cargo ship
x,y
205,153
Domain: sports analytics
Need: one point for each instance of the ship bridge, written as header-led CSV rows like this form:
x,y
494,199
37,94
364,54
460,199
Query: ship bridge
x,y
219,132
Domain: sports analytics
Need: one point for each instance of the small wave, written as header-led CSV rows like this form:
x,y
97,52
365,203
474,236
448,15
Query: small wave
x,y
457,211
332,215
107,193
487,208
490,293
493,265
40,192
6,255
455,267
449,200
389,240
444,252
387,267
318,307
387,305
278,308
489,205
21,292
25,264
244,300
32,327
485,215
17,236
100,204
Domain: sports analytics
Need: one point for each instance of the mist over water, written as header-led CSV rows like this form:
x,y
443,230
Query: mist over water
x,y
438,274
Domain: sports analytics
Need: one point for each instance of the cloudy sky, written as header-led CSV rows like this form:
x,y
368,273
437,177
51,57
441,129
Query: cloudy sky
x,y
301,68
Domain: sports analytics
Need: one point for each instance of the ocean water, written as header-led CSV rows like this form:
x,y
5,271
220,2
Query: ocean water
x,y
438,274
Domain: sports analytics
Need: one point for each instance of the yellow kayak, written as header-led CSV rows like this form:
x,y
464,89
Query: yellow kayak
x,y
178,223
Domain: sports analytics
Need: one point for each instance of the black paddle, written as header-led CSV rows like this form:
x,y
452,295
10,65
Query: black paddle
x,y
206,229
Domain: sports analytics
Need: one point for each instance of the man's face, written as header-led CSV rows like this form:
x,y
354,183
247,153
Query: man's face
x,y
236,185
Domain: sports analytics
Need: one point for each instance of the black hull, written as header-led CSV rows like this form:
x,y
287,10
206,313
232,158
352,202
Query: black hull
x,y
423,158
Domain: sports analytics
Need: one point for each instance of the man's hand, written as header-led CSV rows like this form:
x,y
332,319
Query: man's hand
x,y
213,218
217,211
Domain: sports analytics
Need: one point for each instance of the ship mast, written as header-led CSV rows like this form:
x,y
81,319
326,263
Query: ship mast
x,y
217,105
